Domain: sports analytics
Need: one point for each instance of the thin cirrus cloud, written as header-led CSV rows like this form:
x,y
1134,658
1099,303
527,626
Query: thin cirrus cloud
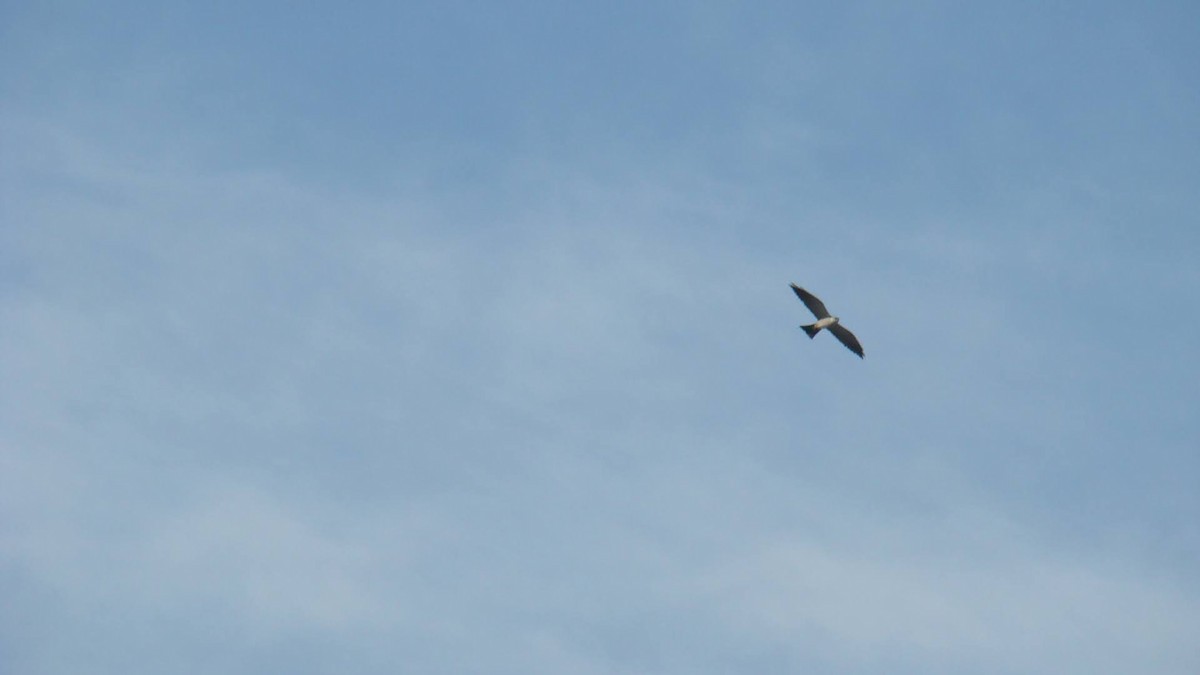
x,y
533,399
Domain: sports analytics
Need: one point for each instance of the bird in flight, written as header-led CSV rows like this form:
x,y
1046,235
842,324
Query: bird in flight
x,y
824,320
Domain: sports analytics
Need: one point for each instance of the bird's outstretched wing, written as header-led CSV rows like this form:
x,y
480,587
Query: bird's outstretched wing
x,y
811,302
847,338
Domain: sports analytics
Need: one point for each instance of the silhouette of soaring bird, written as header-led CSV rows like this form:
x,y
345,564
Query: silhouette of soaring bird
x,y
825,320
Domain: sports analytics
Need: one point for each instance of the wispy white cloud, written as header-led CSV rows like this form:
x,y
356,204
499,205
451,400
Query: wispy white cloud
x,y
551,414
979,596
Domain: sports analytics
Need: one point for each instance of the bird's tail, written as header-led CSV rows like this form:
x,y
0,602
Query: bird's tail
x,y
812,330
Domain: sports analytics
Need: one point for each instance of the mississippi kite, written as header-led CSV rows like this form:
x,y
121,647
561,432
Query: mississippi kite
x,y
824,320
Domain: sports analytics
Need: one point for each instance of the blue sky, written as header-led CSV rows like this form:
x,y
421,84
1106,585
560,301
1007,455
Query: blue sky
x,y
456,337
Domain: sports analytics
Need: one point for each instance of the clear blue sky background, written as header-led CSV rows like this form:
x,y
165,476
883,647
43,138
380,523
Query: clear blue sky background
x,y
455,337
